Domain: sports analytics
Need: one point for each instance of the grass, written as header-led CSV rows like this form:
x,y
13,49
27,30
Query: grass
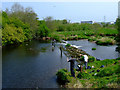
x,y
107,76
105,41
101,37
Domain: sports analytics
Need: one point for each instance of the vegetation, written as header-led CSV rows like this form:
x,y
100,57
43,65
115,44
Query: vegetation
x,y
68,45
24,21
101,35
63,76
118,36
98,77
19,25
93,48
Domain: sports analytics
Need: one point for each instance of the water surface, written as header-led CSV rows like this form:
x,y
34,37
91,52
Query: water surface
x,y
32,65
101,52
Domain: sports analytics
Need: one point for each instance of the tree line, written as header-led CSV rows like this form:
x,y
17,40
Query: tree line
x,y
118,36
20,24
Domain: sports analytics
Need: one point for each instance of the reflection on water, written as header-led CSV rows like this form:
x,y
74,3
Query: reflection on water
x,y
35,64
101,52
32,65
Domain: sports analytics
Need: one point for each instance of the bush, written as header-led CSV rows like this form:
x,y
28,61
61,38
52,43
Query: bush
x,y
109,71
81,58
63,76
105,41
83,75
68,45
56,37
93,48
105,72
91,58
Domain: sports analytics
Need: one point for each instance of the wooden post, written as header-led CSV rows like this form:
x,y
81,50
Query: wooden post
x,y
72,67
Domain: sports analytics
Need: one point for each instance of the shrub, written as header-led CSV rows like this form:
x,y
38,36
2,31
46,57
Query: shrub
x,y
81,58
105,41
83,75
63,76
91,58
56,37
109,71
93,48
68,45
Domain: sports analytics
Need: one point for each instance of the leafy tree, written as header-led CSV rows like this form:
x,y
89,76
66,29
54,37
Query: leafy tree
x,y
0,37
65,21
43,30
50,23
118,36
12,35
26,15
5,19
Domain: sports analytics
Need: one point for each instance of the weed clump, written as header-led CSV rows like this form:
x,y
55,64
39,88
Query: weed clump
x,y
93,48
63,76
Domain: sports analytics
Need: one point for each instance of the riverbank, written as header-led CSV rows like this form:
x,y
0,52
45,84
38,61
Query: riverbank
x,y
107,76
100,37
101,74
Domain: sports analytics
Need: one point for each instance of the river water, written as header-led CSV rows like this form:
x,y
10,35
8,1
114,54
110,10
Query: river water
x,y
35,64
32,65
101,52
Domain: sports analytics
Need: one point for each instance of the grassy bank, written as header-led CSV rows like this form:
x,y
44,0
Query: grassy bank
x,y
107,76
101,37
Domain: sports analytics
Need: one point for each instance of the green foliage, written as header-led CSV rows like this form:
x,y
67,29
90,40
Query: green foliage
x,y
61,28
68,45
5,19
83,75
11,35
43,30
91,58
81,58
21,24
93,48
63,76
105,41
65,21
56,37
0,37
109,71
118,35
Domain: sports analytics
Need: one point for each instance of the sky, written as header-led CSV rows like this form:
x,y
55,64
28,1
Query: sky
x,y
73,11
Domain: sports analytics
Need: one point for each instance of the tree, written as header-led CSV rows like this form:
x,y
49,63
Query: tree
x,y
118,36
43,30
12,35
50,23
26,15
65,21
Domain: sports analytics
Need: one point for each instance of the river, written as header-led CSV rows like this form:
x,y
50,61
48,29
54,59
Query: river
x,y
35,64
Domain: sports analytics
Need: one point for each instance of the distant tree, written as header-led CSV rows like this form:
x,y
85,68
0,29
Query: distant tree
x,y
43,30
50,23
118,36
26,15
65,21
